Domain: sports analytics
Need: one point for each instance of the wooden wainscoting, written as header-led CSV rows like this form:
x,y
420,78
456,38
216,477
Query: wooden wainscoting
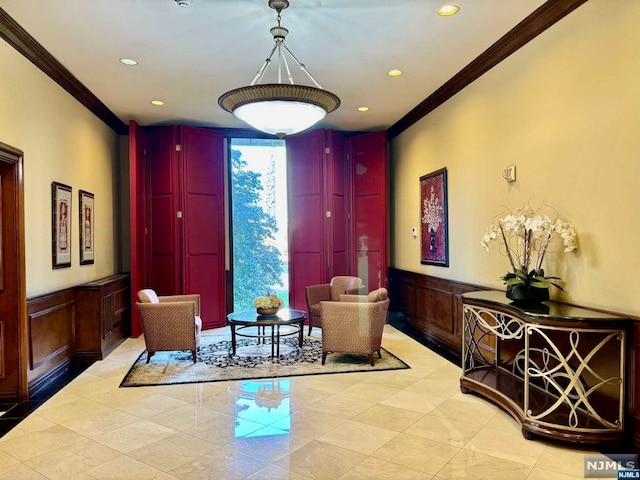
x,y
82,323
633,377
51,335
430,309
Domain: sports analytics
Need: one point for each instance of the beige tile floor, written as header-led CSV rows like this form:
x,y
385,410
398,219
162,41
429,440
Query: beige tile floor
x,y
406,424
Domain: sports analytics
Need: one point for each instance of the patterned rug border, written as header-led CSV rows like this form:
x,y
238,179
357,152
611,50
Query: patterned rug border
x,y
358,368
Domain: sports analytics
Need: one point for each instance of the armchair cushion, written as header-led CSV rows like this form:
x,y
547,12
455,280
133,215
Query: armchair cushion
x,y
148,296
378,295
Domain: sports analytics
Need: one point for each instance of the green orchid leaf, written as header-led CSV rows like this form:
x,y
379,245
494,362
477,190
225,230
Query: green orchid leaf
x,y
521,275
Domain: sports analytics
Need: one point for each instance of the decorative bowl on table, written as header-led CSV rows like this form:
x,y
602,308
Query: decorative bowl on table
x,y
268,305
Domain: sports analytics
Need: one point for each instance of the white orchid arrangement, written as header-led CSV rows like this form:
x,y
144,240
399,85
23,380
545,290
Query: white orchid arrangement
x,y
270,301
526,235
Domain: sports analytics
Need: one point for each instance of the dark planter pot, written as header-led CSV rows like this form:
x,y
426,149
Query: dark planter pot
x,y
526,294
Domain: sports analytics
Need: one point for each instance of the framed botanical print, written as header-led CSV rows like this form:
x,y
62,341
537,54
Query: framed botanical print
x,y
87,222
61,225
434,219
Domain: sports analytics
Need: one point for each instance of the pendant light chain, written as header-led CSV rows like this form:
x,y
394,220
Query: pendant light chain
x,y
282,58
280,108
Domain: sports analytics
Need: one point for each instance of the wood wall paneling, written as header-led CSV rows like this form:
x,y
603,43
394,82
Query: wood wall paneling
x,y
51,333
83,323
633,378
162,228
369,174
337,199
307,236
203,221
430,309
102,316
137,215
2,350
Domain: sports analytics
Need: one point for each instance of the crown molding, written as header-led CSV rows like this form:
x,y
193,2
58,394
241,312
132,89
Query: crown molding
x,y
18,38
544,17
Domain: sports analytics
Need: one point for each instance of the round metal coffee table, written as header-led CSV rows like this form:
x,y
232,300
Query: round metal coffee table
x,y
248,323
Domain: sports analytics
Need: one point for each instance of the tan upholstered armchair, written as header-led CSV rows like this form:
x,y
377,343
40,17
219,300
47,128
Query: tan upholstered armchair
x,y
170,322
354,324
329,292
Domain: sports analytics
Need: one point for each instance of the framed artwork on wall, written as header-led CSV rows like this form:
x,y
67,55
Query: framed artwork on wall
x,y
61,225
87,217
434,219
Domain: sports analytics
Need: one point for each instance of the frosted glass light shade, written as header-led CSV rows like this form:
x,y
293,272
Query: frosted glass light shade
x,y
280,118
279,109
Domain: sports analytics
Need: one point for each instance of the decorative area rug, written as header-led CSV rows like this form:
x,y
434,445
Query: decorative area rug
x,y
215,363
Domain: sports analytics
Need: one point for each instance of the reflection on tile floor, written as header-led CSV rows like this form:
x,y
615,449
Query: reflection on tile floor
x,y
404,424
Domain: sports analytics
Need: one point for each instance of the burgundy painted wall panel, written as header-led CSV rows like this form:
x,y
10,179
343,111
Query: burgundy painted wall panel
x,y
339,166
336,189
340,227
202,280
162,220
161,160
307,240
202,213
204,170
369,267
162,274
202,193
309,271
137,219
369,156
370,222
340,264
369,161
304,163
306,230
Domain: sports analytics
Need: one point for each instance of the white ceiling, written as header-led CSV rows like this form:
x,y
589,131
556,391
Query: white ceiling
x,y
188,57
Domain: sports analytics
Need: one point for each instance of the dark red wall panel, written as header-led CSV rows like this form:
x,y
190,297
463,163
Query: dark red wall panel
x,y
369,156
307,262
202,193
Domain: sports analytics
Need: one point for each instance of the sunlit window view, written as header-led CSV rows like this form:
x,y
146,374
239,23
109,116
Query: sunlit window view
x,y
259,220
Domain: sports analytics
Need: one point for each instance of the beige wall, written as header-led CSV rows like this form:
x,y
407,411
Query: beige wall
x,y
565,109
62,141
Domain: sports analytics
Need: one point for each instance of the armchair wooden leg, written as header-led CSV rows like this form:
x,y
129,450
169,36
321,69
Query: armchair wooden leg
x,y
324,357
310,327
379,354
193,352
149,355
371,360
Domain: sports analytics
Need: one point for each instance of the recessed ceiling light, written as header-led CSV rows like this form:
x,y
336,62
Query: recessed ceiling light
x,y
157,103
395,73
363,109
448,9
128,61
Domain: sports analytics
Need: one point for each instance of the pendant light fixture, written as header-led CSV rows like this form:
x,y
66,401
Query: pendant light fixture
x,y
280,108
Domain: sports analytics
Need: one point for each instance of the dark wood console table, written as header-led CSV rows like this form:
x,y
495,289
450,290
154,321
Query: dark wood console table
x,y
103,316
559,370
